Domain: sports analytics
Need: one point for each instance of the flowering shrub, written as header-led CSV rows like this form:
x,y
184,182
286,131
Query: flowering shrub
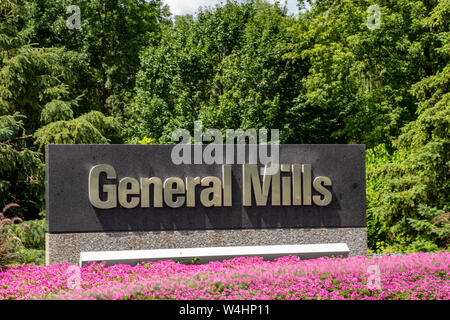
x,y
10,244
413,276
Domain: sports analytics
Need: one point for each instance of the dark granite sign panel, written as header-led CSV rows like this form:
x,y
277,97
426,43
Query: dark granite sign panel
x,y
100,188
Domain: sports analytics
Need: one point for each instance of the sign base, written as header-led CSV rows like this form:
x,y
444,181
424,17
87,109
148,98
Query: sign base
x,y
66,247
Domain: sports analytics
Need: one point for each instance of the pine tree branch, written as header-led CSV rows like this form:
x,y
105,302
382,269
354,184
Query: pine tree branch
x,y
8,142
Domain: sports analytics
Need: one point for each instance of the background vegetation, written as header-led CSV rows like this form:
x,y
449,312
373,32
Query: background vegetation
x,y
134,73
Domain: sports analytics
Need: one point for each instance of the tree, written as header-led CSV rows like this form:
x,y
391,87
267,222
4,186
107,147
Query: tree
x,y
413,201
322,78
358,88
225,67
36,105
111,36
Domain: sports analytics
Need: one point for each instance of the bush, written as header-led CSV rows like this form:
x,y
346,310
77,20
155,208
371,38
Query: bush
x,y
409,193
22,242
376,235
10,244
36,256
31,233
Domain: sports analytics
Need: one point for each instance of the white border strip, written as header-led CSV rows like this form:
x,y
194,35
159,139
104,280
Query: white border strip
x,y
213,253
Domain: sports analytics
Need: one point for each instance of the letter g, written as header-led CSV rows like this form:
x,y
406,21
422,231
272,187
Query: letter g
x,y
94,187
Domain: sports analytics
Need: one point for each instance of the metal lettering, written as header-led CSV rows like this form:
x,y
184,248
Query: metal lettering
x,y
327,196
157,192
190,190
109,189
227,185
169,191
306,176
215,190
124,192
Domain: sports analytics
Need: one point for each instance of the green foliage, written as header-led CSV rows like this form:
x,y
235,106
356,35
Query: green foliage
x,y
92,127
36,256
31,248
322,78
146,140
31,233
21,169
111,36
413,199
10,244
434,227
195,260
56,110
376,235
22,242
225,67
358,88
40,103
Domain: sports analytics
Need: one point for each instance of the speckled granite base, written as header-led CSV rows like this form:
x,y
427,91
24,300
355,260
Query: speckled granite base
x,y
66,247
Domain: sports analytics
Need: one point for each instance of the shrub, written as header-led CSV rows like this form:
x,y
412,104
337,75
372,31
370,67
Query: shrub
x,y
10,244
31,233
36,256
411,197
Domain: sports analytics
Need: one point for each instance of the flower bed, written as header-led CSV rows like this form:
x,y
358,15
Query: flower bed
x,y
413,276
